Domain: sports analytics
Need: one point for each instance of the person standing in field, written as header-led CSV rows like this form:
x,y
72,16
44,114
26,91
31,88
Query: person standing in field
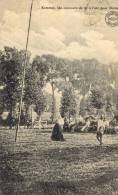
x,y
100,129
57,134
66,125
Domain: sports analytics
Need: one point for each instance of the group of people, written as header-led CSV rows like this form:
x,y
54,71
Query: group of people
x,y
57,133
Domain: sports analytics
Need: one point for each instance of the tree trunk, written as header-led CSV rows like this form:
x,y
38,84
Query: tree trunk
x,y
11,117
39,119
69,117
53,103
32,117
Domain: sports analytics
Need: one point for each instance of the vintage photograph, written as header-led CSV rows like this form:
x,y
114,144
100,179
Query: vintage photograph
x,y
58,97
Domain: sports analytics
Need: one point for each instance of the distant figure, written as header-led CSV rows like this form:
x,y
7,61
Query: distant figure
x,y
66,125
57,134
100,129
11,121
86,126
81,120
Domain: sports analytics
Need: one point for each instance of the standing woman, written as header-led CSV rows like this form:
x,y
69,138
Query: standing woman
x,y
57,134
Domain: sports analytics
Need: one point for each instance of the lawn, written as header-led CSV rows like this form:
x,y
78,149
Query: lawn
x,y
35,165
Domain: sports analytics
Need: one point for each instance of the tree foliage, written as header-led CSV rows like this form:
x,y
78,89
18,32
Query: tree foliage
x,y
11,66
44,69
96,99
33,92
68,103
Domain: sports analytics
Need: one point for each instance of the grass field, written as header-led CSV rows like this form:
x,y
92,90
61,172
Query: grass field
x,y
35,165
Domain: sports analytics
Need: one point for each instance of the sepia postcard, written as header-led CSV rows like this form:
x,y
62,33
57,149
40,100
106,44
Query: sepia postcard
x,y
58,97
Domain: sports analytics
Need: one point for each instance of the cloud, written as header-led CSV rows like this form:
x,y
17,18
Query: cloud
x,y
104,50
13,33
13,21
96,47
58,32
92,35
49,41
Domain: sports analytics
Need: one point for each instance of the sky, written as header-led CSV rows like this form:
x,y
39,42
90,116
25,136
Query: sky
x,y
64,33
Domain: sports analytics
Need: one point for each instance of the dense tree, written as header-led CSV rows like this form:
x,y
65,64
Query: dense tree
x,y
11,65
33,93
68,103
96,100
80,74
50,69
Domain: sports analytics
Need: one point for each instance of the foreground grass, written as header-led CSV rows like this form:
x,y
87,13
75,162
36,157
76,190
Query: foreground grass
x,y
35,165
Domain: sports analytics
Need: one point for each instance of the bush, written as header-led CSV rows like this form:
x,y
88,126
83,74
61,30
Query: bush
x,y
111,130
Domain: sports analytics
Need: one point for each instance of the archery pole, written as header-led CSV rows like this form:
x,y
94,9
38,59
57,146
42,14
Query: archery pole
x,y
24,71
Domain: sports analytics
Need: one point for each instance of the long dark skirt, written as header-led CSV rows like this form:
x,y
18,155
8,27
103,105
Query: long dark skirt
x,y
57,134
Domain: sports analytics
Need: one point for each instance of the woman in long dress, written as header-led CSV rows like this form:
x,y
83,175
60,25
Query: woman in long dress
x,y
57,134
